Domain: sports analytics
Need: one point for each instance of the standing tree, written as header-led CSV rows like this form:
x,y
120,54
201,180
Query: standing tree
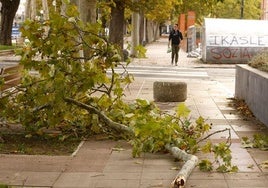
x,y
86,8
8,12
116,33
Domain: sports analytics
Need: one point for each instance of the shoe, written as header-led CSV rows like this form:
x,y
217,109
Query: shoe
x,y
176,64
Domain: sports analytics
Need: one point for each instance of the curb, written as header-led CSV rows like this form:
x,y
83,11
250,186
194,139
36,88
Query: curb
x,y
6,52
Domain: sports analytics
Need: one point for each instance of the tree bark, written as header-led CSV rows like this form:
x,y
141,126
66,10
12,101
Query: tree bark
x,y
116,30
33,10
135,33
27,9
8,12
87,10
45,9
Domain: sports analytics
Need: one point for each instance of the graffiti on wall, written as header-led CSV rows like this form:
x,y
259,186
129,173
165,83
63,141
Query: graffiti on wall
x,y
248,41
230,53
229,48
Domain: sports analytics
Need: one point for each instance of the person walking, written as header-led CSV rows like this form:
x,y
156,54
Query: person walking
x,y
175,37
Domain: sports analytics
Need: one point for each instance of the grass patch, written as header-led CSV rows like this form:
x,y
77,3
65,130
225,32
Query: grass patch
x,y
260,61
4,47
19,144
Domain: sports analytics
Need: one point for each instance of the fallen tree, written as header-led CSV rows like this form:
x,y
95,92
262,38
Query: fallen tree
x,y
81,96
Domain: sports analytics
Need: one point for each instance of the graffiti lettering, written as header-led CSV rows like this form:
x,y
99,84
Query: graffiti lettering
x,y
230,53
238,41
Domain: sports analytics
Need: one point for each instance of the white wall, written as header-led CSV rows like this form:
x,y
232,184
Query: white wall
x,y
233,40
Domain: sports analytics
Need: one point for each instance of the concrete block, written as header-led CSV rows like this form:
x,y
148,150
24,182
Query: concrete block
x,y
170,91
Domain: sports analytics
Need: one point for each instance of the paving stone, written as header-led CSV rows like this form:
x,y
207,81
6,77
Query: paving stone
x,y
152,183
111,183
206,183
78,180
34,179
247,183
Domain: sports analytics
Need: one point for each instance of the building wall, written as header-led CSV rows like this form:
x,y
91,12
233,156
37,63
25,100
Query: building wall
x,y
233,40
265,9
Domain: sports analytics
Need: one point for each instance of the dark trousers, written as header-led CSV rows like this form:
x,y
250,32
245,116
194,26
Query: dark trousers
x,y
175,53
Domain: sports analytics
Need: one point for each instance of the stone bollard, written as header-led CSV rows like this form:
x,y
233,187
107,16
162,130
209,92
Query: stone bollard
x,y
170,91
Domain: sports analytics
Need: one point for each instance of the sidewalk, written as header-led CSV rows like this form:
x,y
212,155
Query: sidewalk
x,y
97,165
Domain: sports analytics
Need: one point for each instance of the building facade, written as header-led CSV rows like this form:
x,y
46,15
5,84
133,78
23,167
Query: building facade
x,y
265,10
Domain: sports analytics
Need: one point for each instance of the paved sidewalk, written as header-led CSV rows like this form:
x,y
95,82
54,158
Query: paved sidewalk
x,y
96,164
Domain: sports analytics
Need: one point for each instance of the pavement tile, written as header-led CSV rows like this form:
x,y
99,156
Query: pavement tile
x,y
243,159
210,113
135,168
245,176
159,175
245,128
110,183
206,176
7,175
247,183
77,180
34,179
199,183
122,175
217,121
222,135
152,183
161,162
232,116
259,157
250,134
38,163
248,123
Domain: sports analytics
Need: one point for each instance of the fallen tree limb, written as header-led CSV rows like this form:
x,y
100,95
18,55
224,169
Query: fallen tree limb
x,y
190,160
114,125
190,163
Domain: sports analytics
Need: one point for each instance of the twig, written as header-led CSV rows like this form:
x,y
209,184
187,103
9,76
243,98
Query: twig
x,y
219,131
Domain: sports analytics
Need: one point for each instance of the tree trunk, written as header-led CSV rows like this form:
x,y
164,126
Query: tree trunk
x,y
87,10
33,10
116,32
142,35
135,33
45,9
8,12
28,9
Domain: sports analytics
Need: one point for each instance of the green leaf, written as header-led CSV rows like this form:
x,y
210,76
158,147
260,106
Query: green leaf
x,y
207,148
205,165
222,168
182,111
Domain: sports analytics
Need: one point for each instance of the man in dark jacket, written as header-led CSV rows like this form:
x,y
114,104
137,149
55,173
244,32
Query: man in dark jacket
x,y
175,38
